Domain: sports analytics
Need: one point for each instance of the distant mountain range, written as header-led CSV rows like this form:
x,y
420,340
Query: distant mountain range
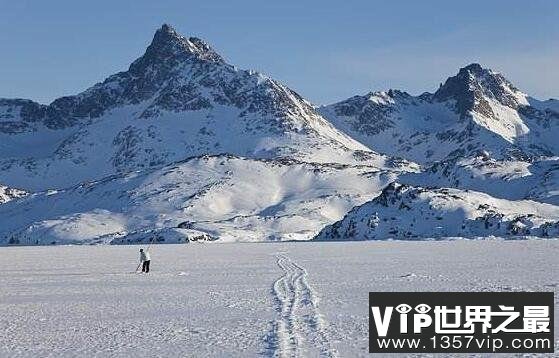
x,y
184,146
478,110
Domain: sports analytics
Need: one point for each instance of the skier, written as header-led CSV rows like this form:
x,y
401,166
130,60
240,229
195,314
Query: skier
x,y
144,260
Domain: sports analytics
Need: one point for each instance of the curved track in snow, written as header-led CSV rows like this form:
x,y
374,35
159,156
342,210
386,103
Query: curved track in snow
x,y
300,329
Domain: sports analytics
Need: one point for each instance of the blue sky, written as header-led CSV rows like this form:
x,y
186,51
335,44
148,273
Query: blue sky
x,y
324,50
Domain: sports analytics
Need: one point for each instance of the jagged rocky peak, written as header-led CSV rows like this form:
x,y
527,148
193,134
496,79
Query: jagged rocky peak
x,y
176,74
387,97
155,72
391,193
169,48
474,85
168,42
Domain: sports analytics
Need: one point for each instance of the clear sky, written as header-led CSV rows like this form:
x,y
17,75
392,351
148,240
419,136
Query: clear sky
x,y
325,50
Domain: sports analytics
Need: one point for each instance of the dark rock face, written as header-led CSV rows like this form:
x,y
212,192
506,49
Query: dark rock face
x,y
174,74
188,75
370,117
17,115
545,118
163,60
168,49
472,85
391,194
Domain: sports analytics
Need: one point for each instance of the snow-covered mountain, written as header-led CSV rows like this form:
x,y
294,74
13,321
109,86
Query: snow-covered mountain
x,y
477,131
223,197
186,147
476,110
406,212
181,147
180,99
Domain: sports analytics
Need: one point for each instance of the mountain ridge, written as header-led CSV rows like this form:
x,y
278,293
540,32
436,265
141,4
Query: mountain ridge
x,y
410,213
481,99
187,147
179,99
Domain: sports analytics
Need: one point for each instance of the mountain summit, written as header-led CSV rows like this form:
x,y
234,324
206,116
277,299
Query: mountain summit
x,y
473,85
184,146
178,100
477,110
168,49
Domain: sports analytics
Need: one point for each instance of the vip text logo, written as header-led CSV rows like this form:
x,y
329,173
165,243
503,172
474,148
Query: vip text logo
x,y
461,322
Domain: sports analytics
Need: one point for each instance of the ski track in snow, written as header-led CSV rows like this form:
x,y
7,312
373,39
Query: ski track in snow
x,y
218,300
300,329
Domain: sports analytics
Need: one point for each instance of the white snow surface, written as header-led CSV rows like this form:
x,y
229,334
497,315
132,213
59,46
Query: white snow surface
x,y
224,197
239,300
8,194
406,212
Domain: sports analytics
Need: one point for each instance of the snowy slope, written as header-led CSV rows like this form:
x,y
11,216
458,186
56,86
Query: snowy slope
x,y
546,189
405,212
478,131
223,197
8,194
478,109
180,99
508,179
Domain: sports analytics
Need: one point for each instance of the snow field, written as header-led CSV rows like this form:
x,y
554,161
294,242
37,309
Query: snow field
x,y
239,300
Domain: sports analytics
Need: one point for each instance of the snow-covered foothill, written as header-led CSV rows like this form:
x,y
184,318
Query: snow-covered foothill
x,y
413,213
224,197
